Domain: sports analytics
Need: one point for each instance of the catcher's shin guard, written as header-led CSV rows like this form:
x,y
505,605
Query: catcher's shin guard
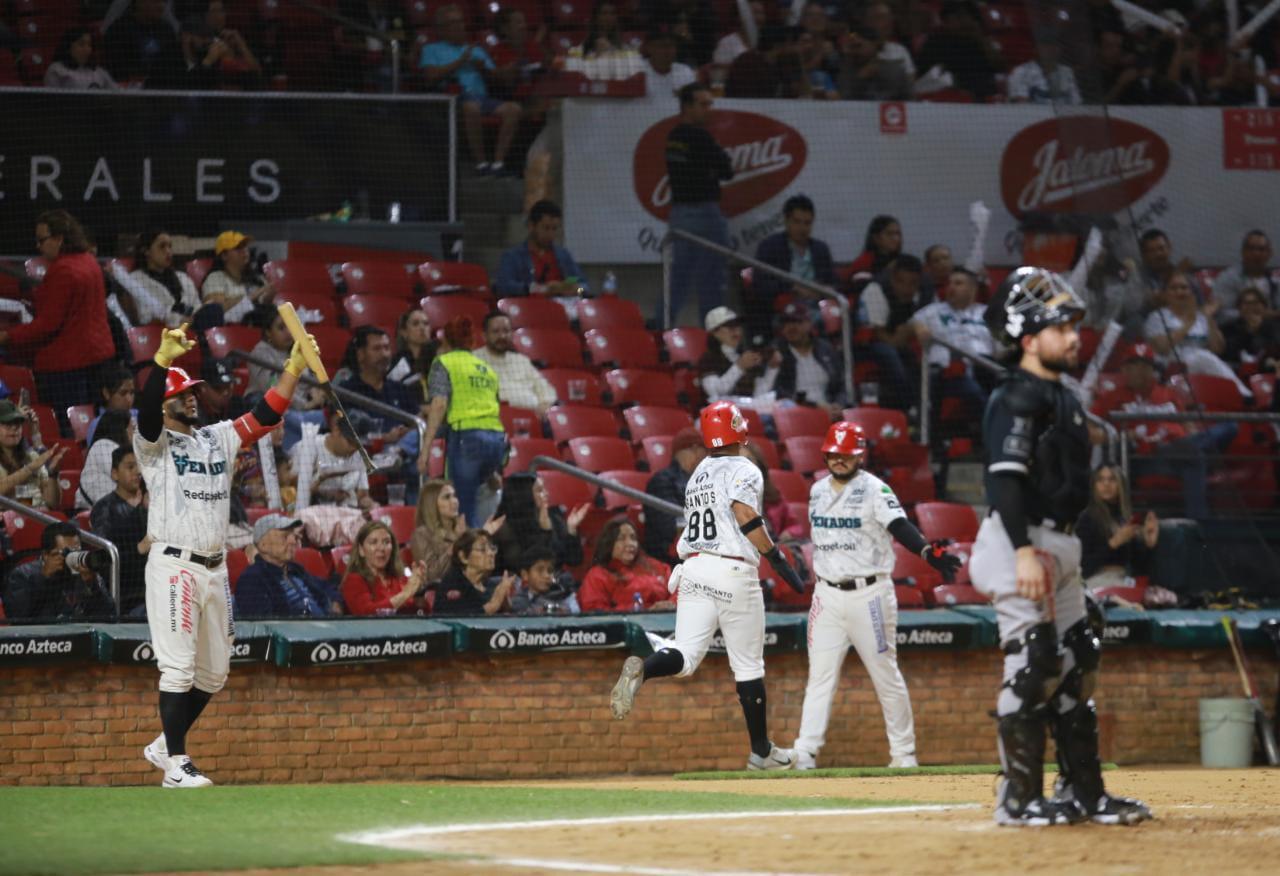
x,y
1021,799
1079,784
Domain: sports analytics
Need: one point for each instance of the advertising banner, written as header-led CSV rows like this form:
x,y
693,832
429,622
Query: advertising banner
x,y
124,161
38,645
131,643
507,635
1205,176
327,643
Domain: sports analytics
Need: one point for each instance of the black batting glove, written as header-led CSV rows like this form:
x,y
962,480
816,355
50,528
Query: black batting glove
x,y
935,554
783,568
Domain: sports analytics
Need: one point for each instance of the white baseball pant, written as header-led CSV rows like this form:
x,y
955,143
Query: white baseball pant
x,y
189,613
720,593
867,619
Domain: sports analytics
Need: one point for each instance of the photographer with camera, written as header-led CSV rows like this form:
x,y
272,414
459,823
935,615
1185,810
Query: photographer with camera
x,y
63,583
726,369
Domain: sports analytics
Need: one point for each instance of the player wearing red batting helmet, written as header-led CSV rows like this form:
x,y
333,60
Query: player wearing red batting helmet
x,y
722,424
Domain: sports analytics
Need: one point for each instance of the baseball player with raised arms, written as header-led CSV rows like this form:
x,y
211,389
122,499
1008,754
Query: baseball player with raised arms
x,y
719,581
188,471
1027,561
853,517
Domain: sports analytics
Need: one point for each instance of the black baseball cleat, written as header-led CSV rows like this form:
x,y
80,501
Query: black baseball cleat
x,y
1036,812
1111,810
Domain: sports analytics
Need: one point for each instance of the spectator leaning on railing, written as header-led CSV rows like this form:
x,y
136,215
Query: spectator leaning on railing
x,y
621,577
276,586
121,518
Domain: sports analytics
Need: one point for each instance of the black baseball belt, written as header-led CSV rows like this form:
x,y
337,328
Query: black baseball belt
x,y
855,583
209,561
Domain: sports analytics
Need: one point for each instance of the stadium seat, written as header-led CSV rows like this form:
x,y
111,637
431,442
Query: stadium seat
x,y
656,452
644,421
256,514
911,569
805,454
609,312
951,520
565,490
534,313
689,391
299,276
830,316
68,483
341,558
1264,390
48,423
320,302
755,422
237,562
379,310
550,348
74,455
442,277
18,378
523,450
197,270
388,279
399,517
685,346
24,532
81,418
908,597
628,477
577,421
797,420
768,450
315,562
597,454
956,594
622,347
520,422
800,511
888,436
912,484
442,308
144,340
333,341
575,387
225,338
791,485
635,386
1216,393
36,267
82,520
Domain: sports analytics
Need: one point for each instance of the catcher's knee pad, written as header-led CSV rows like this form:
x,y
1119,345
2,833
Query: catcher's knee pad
x,y
1086,653
1034,683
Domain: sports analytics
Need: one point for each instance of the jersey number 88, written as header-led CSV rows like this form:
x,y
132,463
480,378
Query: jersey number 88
x,y
704,523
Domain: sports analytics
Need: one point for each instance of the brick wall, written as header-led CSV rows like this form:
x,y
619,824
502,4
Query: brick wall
x,y
547,715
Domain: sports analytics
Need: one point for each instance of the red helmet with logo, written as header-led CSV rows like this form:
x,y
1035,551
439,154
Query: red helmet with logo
x,y
178,381
845,438
722,424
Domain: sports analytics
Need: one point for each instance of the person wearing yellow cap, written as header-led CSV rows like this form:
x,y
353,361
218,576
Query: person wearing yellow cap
x,y
233,283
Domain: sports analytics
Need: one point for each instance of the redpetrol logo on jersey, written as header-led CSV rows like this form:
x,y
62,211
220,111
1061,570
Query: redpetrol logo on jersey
x,y
1081,164
766,155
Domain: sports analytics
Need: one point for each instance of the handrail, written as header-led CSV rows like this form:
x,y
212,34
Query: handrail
x,y
846,315
630,492
89,537
1193,416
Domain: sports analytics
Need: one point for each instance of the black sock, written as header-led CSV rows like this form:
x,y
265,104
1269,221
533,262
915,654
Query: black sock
x,y
666,662
173,718
751,695
196,701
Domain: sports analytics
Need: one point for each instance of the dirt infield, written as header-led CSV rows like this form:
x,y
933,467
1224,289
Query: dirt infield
x,y
1207,822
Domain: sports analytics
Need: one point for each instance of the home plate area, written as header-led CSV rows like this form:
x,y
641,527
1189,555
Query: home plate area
x,y
1206,822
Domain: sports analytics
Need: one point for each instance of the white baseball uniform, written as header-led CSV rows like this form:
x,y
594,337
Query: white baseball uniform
x,y
719,580
189,603
851,540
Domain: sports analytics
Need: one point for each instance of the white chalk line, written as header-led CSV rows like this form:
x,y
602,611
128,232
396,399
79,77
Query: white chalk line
x,y
409,838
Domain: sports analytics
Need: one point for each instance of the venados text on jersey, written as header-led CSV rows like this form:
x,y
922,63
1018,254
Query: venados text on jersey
x,y
820,522
186,464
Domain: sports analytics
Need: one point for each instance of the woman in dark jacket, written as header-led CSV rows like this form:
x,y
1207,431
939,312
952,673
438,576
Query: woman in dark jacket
x,y
1115,545
532,520
469,588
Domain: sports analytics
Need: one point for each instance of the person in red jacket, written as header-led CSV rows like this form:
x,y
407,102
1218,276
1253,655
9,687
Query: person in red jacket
x,y
70,334
375,583
620,573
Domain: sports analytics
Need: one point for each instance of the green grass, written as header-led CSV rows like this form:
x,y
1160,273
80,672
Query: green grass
x,y
137,830
972,769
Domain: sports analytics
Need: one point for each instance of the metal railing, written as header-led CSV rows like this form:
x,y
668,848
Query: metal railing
x,y
846,315
88,537
630,492
1187,417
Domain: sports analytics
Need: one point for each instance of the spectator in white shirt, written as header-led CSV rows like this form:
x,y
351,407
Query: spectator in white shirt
x,y
160,293
1189,334
734,44
330,471
114,429
725,369
519,383
231,283
1044,80
958,320
1253,271
663,75
879,17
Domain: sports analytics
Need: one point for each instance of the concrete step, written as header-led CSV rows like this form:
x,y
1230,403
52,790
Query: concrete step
x,y
485,194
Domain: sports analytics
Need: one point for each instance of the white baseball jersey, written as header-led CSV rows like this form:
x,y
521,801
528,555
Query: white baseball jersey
x,y
189,478
710,526
849,529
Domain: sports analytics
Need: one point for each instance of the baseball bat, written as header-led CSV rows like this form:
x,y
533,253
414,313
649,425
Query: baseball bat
x,y
1250,691
290,317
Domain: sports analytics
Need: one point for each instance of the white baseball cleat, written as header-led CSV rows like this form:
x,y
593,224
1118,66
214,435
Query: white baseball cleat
x,y
906,762
182,773
624,692
776,759
157,753
805,760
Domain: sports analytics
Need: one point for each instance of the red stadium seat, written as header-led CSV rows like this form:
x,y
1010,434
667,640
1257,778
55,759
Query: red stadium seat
x,y
441,309
888,436
315,562
798,420
805,454
74,455
597,454
635,386
551,348
256,514
435,459
81,418
1264,390
685,346
68,483
768,450
520,422
379,310
36,267
1216,393
225,338
322,303
830,319
656,452
237,562
82,521
566,491
379,278
299,276
523,450
956,594
333,340
623,347
534,313
399,517
644,421
908,597
912,484
24,532
755,422
47,420
442,277
571,421
792,485
911,568
574,387
800,511
18,378
609,312
144,340
198,269
951,520
628,477
341,557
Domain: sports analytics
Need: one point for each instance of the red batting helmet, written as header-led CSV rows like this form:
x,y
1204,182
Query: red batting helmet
x,y
178,381
722,424
845,438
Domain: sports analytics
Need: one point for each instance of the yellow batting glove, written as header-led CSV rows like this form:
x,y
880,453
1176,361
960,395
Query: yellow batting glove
x,y
173,344
297,361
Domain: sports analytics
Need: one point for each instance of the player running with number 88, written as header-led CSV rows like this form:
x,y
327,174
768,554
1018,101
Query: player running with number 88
x,y
719,581
853,517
